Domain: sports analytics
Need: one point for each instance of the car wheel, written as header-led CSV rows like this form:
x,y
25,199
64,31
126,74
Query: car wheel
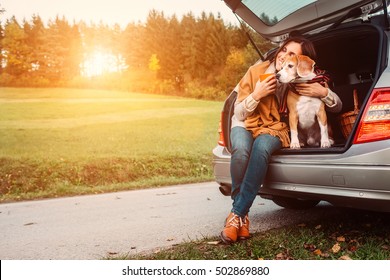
x,y
294,203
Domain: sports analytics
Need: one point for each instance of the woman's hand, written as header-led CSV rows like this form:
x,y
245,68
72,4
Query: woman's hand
x,y
313,90
264,88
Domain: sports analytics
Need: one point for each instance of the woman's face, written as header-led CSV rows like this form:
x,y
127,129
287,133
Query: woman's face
x,y
288,50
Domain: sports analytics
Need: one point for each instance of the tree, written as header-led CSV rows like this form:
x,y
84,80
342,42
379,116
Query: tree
x,y
2,56
35,37
266,19
171,57
217,46
132,47
62,51
188,47
16,51
154,63
234,69
156,34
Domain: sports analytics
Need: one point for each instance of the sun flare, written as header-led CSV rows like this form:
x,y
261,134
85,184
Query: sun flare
x,y
98,63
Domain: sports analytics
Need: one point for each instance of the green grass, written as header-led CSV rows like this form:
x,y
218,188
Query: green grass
x,y
58,142
356,235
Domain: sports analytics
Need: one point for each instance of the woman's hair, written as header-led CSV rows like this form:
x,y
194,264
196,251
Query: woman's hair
x,y
306,45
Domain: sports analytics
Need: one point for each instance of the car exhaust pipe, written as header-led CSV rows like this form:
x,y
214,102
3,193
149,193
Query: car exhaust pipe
x,y
226,190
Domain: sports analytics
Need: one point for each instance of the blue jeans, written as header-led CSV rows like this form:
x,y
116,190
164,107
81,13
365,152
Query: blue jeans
x,y
248,166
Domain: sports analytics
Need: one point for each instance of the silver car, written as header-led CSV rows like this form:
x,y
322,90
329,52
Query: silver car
x,y
352,40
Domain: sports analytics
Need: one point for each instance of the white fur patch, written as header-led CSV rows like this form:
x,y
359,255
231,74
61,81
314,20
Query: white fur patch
x,y
307,108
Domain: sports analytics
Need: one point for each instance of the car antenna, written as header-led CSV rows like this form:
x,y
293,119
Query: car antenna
x,y
249,37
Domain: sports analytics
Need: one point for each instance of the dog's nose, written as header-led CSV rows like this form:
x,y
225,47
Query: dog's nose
x,y
277,76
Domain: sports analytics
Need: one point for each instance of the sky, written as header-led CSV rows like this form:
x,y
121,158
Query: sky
x,y
110,11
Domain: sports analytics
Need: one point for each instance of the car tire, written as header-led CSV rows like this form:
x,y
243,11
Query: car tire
x,y
294,203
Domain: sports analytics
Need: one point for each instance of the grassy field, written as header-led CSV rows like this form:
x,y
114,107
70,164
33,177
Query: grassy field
x,y
58,142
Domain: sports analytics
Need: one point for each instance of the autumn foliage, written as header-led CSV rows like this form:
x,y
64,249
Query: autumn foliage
x,y
198,57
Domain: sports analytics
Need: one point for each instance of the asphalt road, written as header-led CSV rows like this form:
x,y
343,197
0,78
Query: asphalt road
x,y
97,226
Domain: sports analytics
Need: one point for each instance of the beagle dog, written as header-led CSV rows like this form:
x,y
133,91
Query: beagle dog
x,y
307,116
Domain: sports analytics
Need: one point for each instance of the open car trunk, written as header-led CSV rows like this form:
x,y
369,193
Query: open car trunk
x,y
354,58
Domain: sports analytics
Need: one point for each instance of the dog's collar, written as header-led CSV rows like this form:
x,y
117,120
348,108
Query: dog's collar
x,y
291,86
317,79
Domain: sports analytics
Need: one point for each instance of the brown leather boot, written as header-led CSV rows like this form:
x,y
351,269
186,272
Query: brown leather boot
x,y
230,232
243,231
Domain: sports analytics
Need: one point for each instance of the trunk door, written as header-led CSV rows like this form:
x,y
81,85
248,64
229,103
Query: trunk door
x,y
275,19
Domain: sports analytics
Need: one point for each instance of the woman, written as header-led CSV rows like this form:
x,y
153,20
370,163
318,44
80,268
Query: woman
x,y
258,131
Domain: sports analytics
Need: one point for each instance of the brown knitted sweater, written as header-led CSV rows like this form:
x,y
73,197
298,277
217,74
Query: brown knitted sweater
x,y
266,118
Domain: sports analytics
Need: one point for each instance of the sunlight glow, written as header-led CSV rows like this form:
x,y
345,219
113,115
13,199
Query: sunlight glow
x,y
98,63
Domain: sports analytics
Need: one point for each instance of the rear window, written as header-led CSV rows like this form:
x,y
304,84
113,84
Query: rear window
x,y
272,11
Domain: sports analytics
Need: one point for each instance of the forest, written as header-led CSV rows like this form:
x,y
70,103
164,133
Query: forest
x,y
199,57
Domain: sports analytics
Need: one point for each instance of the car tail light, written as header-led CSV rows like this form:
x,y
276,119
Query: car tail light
x,y
221,140
375,122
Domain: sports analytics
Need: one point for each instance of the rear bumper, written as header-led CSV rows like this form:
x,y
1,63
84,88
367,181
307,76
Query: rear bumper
x,y
221,165
356,198
358,177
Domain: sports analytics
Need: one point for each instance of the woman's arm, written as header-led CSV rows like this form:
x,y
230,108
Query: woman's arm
x,y
245,108
331,99
333,102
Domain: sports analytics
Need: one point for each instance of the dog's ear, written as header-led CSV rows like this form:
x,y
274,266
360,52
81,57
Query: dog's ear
x,y
305,65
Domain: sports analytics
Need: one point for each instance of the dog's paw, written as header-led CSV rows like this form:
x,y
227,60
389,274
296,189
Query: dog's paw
x,y
295,145
326,144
